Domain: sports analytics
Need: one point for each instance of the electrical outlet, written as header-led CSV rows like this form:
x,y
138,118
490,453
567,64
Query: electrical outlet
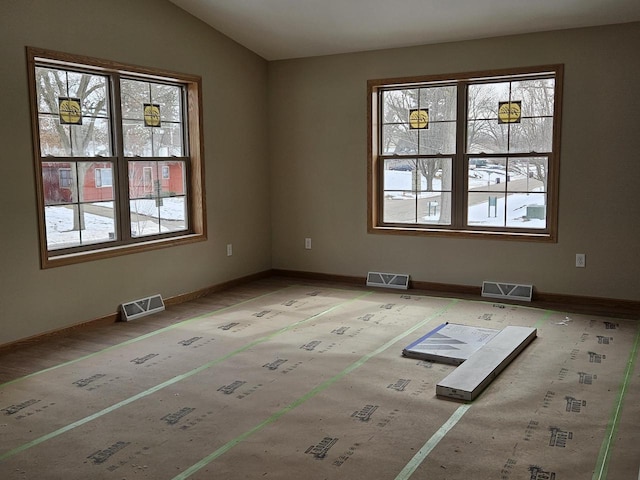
x,y
581,260
229,249
307,243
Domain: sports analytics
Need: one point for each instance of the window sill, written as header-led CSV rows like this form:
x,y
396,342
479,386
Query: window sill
x,y
49,261
453,233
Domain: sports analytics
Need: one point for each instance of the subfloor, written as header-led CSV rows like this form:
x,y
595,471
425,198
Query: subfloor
x,y
281,379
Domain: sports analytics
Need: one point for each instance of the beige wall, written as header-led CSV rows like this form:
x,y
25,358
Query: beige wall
x,y
285,149
155,34
317,112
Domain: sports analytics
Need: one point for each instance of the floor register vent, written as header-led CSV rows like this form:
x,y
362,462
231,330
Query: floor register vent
x,y
512,291
388,280
142,307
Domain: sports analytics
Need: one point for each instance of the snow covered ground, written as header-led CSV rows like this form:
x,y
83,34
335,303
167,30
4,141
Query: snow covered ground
x,y
147,219
398,186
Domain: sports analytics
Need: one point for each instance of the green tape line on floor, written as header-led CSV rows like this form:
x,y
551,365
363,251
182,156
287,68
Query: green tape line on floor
x,y
600,471
171,381
312,393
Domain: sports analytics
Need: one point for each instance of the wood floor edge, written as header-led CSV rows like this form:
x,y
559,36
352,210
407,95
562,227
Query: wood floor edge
x,y
114,317
185,297
612,307
107,319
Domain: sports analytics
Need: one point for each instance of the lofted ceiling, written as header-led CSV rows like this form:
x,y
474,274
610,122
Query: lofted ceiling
x,y
282,29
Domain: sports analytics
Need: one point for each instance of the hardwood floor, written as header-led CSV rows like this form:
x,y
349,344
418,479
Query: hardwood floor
x,y
285,378
24,358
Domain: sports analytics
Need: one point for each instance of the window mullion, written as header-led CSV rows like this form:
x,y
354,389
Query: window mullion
x,y
122,173
459,195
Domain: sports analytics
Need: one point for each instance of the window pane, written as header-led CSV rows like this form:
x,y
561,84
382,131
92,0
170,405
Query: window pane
x,y
167,140
77,225
504,192
59,223
413,191
59,182
50,85
435,174
399,140
487,136
527,210
134,95
172,178
516,210
439,138
99,224
169,97
435,209
157,204
424,117
76,211
527,174
537,96
399,207
397,104
55,139
90,139
92,90
440,102
82,127
173,214
145,217
483,99
152,119
528,128
486,209
143,179
96,179
531,135
487,174
136,139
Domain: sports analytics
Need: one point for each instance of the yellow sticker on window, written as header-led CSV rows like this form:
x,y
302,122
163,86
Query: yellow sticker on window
x,y
151,115
509,112
418,119
69,111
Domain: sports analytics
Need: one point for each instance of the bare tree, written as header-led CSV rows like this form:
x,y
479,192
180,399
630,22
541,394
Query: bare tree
x,y
74,140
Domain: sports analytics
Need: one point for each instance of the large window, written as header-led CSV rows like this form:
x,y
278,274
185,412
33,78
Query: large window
x,y
469,154
118,155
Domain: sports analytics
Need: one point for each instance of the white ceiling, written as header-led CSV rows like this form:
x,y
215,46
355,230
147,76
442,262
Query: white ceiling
x,y
281,29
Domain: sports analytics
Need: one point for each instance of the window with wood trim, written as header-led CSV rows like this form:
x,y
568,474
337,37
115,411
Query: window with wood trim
x,y
118,157
473,154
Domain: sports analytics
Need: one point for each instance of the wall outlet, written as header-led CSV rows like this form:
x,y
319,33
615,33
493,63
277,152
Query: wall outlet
x,y
307,243
581,260
229,249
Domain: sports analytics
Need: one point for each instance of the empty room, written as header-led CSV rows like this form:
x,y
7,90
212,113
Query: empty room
x,y
322,239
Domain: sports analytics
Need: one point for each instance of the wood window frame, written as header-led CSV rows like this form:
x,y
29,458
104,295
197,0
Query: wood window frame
x,y
375,187
196,204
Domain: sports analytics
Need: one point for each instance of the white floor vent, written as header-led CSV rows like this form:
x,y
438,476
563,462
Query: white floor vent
x,y
388,280
141,308
507,290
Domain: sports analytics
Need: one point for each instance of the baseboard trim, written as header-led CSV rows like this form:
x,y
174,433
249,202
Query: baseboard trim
x,y
186,297
322,277
610,307
114,317
106,320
